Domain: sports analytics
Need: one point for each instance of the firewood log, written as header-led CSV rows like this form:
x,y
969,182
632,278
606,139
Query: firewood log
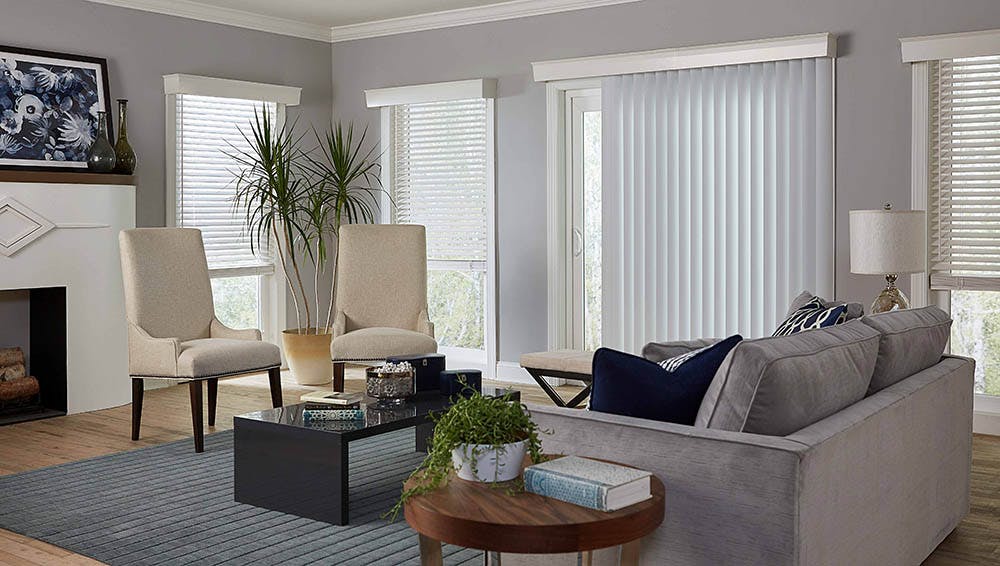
x,y
12,372
18,388
11,356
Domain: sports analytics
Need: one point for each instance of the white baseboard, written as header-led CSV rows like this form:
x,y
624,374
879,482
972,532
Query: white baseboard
x,y
984,422
511,372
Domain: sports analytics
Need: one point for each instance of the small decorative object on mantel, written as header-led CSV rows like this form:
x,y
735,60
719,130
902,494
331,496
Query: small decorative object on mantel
x,y
124,154
390,384
101,158
49,104
888,242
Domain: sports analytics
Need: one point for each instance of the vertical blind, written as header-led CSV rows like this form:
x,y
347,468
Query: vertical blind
x,y
718,198
964,176
208,133
439,178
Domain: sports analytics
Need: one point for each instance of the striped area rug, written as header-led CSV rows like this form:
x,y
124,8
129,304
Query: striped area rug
x,y
167,505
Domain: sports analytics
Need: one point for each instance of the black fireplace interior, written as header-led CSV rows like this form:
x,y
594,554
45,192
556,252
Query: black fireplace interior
x,y
46,348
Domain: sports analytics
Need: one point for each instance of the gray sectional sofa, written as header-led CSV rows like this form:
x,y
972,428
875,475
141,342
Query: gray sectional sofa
x,y
846,445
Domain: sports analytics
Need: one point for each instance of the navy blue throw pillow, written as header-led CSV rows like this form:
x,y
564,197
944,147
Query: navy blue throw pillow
x,y
636,387
811,316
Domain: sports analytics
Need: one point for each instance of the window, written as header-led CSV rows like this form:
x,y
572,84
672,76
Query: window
x,y
205,119
964,206
438,169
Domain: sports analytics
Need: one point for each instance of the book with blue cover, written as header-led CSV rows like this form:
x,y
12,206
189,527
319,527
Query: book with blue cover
x,y
320,415
588,483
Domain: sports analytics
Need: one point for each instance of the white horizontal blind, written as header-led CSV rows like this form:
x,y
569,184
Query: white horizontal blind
x,y
207,134
964,176
718,203
439,178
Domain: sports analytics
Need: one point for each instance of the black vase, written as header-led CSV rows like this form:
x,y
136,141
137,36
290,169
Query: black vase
x,y
124,154
101,158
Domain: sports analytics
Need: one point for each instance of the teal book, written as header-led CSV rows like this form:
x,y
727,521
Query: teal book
x,y
588,483
320,415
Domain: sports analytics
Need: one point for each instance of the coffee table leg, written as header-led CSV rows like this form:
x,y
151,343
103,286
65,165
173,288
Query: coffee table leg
x,y
630,554
430,552
340,480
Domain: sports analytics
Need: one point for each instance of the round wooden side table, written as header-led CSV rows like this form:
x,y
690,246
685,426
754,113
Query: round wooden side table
x,y
476,515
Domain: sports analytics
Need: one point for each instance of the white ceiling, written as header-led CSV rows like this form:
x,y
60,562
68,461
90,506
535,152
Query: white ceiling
x,y
333,13
345,20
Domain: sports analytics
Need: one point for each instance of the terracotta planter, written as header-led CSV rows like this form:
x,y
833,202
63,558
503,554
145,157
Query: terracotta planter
x,y
308,356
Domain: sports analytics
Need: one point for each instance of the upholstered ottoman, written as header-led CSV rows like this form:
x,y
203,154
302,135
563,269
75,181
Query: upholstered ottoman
x,y
561,364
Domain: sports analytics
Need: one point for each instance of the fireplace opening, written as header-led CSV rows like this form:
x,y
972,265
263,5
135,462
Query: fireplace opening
x,y
32,351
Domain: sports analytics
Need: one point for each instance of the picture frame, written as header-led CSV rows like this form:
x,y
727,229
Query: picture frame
x,y
48,108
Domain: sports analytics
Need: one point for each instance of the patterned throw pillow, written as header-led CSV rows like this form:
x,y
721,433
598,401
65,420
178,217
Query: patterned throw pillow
x,y
811,316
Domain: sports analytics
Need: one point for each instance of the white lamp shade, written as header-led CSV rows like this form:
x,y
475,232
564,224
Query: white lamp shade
x,y
888,241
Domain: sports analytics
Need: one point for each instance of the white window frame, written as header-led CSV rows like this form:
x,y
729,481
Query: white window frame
x,y
919,52
384,99
271,290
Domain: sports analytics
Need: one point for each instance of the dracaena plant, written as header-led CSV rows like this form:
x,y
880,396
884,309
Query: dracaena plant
x,y
295,201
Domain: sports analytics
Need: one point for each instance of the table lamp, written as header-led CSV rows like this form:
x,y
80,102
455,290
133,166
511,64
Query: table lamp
x,y
888,242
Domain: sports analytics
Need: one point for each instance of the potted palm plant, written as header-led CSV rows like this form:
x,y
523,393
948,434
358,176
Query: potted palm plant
x,y
294,203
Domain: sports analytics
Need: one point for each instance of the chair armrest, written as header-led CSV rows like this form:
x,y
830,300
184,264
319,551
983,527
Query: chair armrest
x,y
219,330
424,324
339,327
149,356
659,351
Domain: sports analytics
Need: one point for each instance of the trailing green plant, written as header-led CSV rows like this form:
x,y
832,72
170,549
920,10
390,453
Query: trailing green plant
x,y
484,424
296,201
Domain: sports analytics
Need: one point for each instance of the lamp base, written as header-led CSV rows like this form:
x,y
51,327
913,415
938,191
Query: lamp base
x,y
891,298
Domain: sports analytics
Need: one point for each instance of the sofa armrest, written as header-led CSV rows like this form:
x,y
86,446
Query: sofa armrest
x,y
149,356
424,324
219,330
730,497
659,351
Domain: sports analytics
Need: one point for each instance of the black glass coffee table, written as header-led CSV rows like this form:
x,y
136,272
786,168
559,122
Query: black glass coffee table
x,y
283,464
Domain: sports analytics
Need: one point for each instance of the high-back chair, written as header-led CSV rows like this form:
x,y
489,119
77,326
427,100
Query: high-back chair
x,y
381,295
172,330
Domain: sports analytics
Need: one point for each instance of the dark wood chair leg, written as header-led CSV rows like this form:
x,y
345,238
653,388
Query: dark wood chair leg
x,y
197,416
137,392
274,380
213,397
338,376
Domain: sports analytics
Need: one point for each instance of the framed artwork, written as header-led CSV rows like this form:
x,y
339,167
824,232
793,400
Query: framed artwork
x,y
48,108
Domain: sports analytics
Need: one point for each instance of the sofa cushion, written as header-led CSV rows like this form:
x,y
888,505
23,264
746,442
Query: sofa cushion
x,y
779,385
636,387
659,351
854,310
811,316
912,340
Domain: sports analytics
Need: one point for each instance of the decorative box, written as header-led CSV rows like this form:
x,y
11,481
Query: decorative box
x,y
427,367
451,380
391,384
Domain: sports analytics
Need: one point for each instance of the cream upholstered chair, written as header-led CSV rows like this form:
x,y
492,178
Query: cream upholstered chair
x,y
381,295
172,329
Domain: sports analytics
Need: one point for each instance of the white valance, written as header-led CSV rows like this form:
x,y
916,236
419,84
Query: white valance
x,y
228,88
431,92
950,46
715,55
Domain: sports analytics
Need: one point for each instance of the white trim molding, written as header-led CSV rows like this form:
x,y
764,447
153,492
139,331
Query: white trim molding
x,y
229,88
431,92
756,51
463,17
920,295
950,46
226,16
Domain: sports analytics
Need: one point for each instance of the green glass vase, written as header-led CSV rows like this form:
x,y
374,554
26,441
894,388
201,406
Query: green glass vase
x,y
124,154
101,158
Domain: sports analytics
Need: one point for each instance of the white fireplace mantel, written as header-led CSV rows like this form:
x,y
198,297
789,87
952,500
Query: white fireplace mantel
x,y
66,235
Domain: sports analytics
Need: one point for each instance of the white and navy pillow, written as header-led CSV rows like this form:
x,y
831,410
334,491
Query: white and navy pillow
x,y
673,364
811,316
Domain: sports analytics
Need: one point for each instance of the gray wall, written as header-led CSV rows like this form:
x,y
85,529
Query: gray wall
x,y
141,47
873,103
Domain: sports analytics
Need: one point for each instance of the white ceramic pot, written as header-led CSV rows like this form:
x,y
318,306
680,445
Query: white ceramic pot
x,y
492,465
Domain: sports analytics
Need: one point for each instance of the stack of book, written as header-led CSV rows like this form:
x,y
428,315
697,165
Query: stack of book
x,y
332,406
588,483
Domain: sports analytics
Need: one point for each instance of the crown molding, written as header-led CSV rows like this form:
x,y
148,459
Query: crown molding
x,y
463,16
225,16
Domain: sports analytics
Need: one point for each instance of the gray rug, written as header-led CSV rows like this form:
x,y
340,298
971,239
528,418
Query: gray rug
x,y
167,505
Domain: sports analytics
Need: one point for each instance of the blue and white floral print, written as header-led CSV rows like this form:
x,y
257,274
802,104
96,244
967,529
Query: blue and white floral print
x,y
48,111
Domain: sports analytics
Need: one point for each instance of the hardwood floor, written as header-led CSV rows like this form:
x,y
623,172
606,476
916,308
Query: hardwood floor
x,y
166,417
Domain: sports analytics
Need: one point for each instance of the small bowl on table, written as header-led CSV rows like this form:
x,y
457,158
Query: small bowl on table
x,y
390,384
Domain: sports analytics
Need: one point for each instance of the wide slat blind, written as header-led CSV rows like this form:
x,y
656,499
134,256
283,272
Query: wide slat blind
x,y
718,200
439,177
964,176
208,132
